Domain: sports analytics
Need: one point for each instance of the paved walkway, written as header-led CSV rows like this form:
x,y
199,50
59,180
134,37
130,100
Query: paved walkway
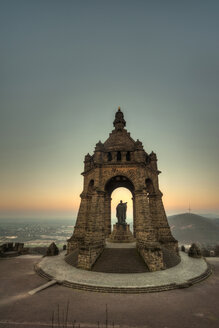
x,y
195,307
188,270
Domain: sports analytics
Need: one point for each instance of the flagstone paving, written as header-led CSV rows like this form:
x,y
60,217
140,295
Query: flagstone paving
x,y
187,270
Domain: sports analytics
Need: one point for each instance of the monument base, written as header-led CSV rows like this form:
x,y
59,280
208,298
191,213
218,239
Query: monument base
x,y
121,234
188,272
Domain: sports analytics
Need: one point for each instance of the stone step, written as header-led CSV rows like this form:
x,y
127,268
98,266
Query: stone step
x,y
120,260
72,258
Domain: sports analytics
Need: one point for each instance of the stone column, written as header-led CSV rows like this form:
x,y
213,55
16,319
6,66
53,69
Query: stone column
x,y
79,230
153,211
94,237
143,220
134,217
107,212
123,156
114,156
164,234
147,244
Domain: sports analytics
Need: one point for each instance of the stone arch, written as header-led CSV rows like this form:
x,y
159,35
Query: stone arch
x,y
119,181
121,162
111,184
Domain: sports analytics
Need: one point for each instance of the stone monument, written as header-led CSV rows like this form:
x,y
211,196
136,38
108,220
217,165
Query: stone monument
x,y
121,230
121,209
121,162
52,250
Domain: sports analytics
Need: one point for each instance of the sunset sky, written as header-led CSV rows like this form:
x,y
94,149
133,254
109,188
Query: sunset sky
x,y
66,66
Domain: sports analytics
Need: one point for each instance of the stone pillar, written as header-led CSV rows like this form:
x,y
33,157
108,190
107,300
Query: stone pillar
x,y
107,215
153,211
147,243
114,156
123,156
79,230
134,217
143,220
94,240
105,157
164,234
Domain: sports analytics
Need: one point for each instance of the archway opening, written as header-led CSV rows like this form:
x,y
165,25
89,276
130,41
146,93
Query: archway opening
x,y
125,195
118,181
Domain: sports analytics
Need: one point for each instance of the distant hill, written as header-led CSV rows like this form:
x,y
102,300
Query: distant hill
x,y
188,227
216,221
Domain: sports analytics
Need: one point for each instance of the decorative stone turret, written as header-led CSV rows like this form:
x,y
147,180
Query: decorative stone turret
x,y
153,160
87,162
121,162
98,153
119,121
52,250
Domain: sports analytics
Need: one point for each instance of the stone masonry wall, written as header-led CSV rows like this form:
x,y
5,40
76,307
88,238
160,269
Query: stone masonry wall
x,y
121,162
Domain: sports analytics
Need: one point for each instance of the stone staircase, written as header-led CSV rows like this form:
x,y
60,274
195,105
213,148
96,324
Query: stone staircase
x,y
72,258
120,260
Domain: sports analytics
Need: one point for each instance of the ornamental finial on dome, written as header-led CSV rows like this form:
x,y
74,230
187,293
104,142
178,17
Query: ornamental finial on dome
x,y
119,121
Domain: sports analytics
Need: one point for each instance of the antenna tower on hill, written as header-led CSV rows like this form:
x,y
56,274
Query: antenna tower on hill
x,y
189,209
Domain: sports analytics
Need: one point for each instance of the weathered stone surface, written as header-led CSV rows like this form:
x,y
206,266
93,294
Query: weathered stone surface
x,y
52,250
12,249
121,162
187,272
120,260
194,251
121,234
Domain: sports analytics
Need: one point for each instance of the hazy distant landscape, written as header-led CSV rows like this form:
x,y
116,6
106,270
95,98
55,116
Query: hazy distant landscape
x,y
36,232
186,228
189,227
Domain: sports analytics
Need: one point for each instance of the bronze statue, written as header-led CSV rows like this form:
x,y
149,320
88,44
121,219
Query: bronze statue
x,y
121,212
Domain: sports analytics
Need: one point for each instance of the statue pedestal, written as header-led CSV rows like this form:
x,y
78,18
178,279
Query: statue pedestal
x,y
121,234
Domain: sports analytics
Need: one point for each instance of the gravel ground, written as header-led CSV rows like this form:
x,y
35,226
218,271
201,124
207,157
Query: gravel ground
x,y
195,307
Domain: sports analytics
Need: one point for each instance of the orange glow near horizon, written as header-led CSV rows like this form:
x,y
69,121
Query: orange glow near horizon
x,y
47,201
68,201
